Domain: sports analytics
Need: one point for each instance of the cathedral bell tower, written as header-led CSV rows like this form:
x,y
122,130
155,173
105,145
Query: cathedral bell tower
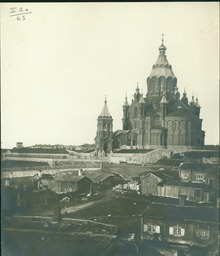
x,y
104,134
125,120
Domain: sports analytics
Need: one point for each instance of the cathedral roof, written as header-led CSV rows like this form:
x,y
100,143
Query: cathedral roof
x,y
162,66
163,100
179,112
105,112
142,99
119,132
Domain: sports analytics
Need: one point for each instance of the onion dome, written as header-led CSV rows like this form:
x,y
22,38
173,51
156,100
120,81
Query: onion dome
x,y
162,48
184,98
105,112
126,104
162,66
197,103
137,93
192,101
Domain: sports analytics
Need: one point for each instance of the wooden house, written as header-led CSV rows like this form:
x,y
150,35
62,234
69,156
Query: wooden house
x,y
200,173
194,226
102,180
69,183
193,191
149,182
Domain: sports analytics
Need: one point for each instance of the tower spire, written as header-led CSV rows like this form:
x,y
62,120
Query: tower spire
x,y
105,112
126,104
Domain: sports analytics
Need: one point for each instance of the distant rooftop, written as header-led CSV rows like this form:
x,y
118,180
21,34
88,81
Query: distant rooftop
x,y
39,150
133,151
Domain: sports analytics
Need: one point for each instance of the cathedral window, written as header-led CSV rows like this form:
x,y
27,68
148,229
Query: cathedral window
x,y
135,112
104,127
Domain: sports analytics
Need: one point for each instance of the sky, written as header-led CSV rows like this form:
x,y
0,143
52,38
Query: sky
x,y
60,60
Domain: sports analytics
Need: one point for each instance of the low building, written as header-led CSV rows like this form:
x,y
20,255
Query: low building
x,y
200,173
22,183
102,180
19,145
69,183
194,226
149,182
193,191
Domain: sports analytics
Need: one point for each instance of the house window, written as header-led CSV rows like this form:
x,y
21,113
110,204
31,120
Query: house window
x,y
199,177
152,229
203,233
185,175
176,231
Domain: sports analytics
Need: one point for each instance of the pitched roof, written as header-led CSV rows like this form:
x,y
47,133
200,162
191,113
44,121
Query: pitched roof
x,y
163,100
198,167
170,212
66,225
179,112
22,179
142,99
199,185
40,150
159,174
119,132
99,176
69,178
105,112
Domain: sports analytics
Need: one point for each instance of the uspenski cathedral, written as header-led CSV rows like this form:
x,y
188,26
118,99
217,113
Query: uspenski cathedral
x,y
160,119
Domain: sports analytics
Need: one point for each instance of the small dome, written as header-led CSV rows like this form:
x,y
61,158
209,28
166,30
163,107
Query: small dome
x,y
126,104
162,47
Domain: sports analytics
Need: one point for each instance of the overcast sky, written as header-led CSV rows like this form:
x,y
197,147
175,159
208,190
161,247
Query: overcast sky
x,y
59,63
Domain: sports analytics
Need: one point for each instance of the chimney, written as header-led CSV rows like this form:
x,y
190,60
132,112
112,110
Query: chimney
x,y
57,214
80,172
182,200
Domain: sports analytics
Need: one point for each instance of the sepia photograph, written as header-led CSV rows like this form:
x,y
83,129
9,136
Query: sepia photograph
x,y
110,129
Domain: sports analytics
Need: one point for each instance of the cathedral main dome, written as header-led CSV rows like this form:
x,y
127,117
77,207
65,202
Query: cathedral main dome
x,y
161,79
